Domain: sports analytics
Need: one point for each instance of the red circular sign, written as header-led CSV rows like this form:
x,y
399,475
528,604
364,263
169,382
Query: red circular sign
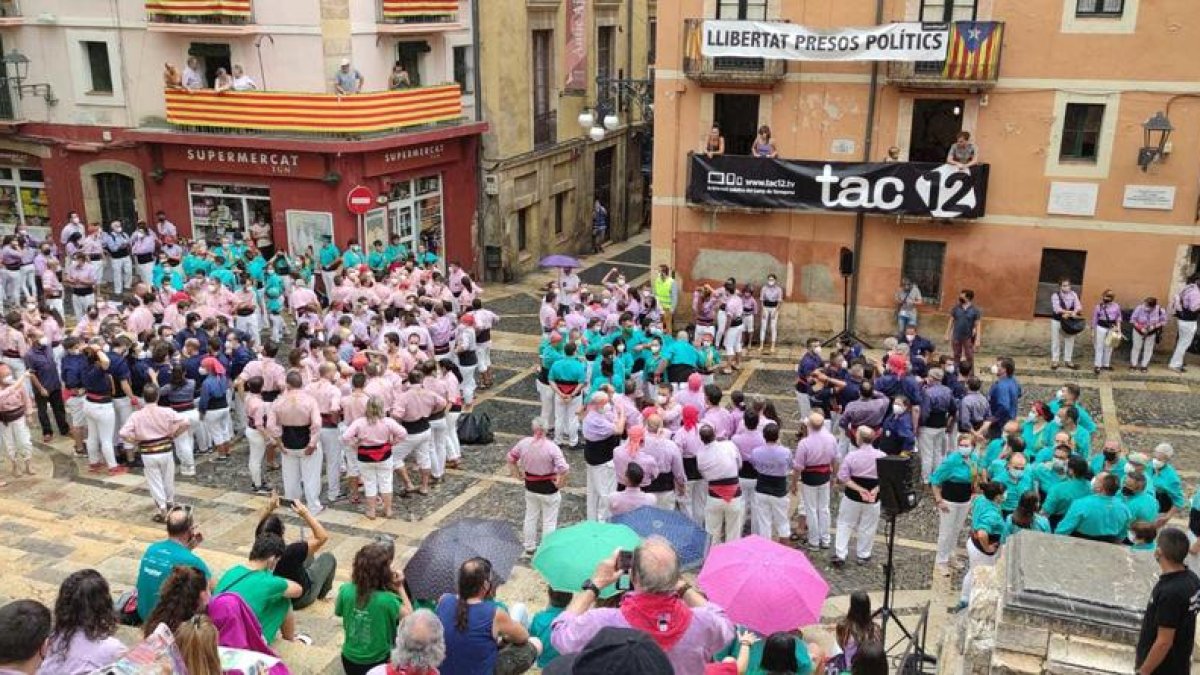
x,y
360,199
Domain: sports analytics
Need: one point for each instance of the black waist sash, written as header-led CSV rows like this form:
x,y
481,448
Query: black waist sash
x,y
691,468
956,491
541,484
663,482
747,471
296,438
416,426
816,475
374,453
864,483
599,452
775,486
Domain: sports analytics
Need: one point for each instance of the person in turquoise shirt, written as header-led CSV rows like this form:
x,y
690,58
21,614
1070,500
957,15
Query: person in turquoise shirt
x,y
1036,430
710,358
1142,503
305,269
771,654
168,276
1015,480
353,256
987,529
1067,422
569,369
1143,535
952,483
539,626
1026,517
655,365
1050,472
329,253
1068,396
1010,441
1099,516
396,251
1165,479
1109,460
256,265
164,556
225,277
621,354
1076,486
593,339
377,259
682,359
194,263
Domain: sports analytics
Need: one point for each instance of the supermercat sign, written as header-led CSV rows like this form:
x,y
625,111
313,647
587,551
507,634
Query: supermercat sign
x,y
897,188
770,40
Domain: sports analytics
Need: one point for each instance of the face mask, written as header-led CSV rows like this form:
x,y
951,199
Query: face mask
x,y
898,409
909,338
620,349
45,341
1059,465
818,350
662,400
964,450
770,282
995,369
1016,473
1128,491
621,280
93,317
654,349
1032,416
354,248
412,349
1158,463
1060,394
1110,456
203,371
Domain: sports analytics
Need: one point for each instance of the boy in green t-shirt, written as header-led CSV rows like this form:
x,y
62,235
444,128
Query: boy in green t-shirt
x,y
267,595
539,627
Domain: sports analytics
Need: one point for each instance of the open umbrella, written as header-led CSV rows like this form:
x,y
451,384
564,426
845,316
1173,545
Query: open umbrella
x,y
433,569
763,585
690,540
567,557
559,260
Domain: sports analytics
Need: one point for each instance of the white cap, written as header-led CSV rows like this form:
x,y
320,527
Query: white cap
x,y
345,62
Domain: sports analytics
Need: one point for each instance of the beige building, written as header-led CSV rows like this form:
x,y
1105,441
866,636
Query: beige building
x,y
543,172
1058,115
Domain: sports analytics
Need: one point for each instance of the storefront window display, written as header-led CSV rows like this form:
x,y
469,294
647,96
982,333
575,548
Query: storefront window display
x,y
219,208
23,197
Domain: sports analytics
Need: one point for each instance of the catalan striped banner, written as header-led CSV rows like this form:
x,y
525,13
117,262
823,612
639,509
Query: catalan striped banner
x,y
198,7
974,53
315,113
401,9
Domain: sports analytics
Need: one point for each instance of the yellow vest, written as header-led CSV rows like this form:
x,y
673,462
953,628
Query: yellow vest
x,y
662,291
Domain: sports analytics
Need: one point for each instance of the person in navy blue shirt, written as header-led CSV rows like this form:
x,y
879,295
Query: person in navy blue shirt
x,y
1005,395
98,410
122,396
809,363
47,385
214,405
897,435
191,330
71,369
917,344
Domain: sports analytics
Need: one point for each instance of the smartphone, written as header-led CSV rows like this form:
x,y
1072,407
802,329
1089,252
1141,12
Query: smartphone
x,y
625,561
289,503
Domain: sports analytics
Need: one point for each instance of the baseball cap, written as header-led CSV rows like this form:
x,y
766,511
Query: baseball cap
x,y
614,650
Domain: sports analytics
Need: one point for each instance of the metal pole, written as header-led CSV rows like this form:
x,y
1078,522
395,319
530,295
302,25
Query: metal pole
x,y
860,219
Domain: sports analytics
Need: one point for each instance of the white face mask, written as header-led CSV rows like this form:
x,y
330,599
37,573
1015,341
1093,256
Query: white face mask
x,y
45,341
964,450
898,409
1032,416
909,338
662,400
1060,394
995,369
818,350
1158,463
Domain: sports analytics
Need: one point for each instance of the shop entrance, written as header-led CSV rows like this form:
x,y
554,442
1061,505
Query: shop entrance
x,y
117,200
415,213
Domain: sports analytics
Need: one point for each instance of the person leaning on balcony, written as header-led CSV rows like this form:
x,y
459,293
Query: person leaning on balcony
x,y
714,142
223,81
193,76
763,145
242,81
963,154
399,78
893,155
347,79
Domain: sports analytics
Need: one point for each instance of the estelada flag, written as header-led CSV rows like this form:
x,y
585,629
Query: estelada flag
x,y
974,52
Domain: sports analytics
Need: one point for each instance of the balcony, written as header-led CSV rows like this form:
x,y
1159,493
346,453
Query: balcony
x,y
10,13
972,63
545,129
726,70
234,112
418,16
201,17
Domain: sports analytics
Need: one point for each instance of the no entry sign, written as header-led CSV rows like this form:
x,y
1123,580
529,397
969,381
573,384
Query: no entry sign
x,y
360,199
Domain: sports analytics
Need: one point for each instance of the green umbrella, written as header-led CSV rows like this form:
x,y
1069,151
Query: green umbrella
x,y
567,557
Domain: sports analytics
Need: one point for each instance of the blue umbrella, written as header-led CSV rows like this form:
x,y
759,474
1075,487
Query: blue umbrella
x,y
690,540
559,260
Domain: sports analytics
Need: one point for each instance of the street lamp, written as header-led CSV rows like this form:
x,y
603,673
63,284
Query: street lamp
x,y
586,119
16,71
1156,132
603,118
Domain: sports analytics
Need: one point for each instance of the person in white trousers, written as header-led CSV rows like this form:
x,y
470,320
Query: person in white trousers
x,y
373,437
983,546
695,491
952,484
1186,309
725,509
294,420
859,508
814,465
143,244
467,357
98,410
602,429
117,247
256,432
1064,304
773,462
937,412
541,466
568,378
414,408
1105,319
328,396
734,310
1148,320
151,430
15,403
771,298
551,350
213,404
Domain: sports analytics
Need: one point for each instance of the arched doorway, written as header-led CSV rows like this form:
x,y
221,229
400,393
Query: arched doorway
x,y
118,199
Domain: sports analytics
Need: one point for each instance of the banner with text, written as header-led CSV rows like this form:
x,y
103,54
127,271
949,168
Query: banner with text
x,y
889,42
898,188
576,46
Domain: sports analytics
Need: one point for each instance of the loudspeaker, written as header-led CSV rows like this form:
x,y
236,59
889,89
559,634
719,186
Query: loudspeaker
x,y
846,262
899,483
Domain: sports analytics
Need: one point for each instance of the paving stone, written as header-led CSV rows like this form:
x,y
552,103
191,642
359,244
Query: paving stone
x,y
592,275
1159,410
506,308
43,547
638,255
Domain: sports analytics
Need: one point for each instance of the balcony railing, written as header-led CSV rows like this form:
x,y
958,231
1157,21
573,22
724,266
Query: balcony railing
x,y
204,13
726,70
422,13
545,128
10,9
324,114
972,60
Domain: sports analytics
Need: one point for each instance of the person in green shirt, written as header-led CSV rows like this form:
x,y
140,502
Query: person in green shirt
x,y
1036,430
550,350
1067,421
1109,460
568,378
353,257
163,556
1015,479
1142,503
1068,397
1099,516
710,358
224,276
1167,485
268,596
377,259
682,359
987,529
426,257
396,251
539,626
952,483
371,606
1143,534
782,652
1075,486
1050,472
330,259
1026,517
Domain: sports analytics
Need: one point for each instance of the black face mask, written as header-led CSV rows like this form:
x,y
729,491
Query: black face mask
x,y
1110,456
1128,492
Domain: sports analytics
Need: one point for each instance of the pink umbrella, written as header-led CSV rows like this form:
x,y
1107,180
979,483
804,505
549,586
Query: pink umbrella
x,y
764,586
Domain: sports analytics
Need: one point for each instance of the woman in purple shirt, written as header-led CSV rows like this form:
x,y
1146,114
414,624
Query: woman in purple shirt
x,y
1106,319
84,624
1148,320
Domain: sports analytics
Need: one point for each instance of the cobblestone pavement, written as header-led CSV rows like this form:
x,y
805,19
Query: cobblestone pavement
x,y
63,519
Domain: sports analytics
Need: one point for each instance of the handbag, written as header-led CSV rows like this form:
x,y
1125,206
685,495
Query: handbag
x,y
1113,339
1073,325
475,428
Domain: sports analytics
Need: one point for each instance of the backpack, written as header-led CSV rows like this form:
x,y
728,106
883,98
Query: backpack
x,y
475,428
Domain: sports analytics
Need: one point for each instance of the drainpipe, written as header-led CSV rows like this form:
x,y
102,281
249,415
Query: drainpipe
x,y
480,196
860,219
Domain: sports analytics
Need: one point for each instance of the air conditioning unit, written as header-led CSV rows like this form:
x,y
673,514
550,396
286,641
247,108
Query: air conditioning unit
x,y
491,184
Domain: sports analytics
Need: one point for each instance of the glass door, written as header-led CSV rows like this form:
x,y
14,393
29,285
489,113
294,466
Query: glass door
x,y
403,224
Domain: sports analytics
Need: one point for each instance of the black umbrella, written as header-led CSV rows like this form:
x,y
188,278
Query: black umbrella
x,y
433,569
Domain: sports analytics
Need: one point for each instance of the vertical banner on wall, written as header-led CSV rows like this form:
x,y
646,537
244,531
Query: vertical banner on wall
x,y
576,45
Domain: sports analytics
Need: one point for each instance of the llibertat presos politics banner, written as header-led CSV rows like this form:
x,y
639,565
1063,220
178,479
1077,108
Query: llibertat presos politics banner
x,y
776,40
897,188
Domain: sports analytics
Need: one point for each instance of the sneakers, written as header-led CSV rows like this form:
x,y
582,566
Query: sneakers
x,y
187,471
864,561
838,563
258,489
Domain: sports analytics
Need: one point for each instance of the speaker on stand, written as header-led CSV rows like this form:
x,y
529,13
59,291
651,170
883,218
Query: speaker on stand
x,y
846,268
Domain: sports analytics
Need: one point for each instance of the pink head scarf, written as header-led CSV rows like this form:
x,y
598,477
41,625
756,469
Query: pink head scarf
x,y
695,381
237,627
636,435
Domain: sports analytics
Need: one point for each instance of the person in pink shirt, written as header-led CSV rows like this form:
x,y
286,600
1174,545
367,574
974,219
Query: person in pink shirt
x,y
414,408
152,429
52,288
632,497
15,403
693,393
540,464
449,377
302,296
670,483
295,421
373,436
256,435
140,317
379,384
631,451
328,396
12,343
485,321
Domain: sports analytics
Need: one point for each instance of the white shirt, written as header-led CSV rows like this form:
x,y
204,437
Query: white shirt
x,y
244,83
192,79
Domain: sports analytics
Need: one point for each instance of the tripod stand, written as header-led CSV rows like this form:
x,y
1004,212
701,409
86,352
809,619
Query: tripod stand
x,y
915,656
846,332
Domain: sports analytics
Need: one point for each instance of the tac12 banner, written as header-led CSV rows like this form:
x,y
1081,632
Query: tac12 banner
x,y
897,188
576,45
910,41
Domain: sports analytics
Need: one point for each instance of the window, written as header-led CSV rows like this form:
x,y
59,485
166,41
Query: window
x,y
118,199
742,9
464,69
522,232
545,120
923,264
736,115
98,67
652,42
560,215
604,51
1058,264
212,56
1081,131
221,208
945,11
409,55
23,197
1101,8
